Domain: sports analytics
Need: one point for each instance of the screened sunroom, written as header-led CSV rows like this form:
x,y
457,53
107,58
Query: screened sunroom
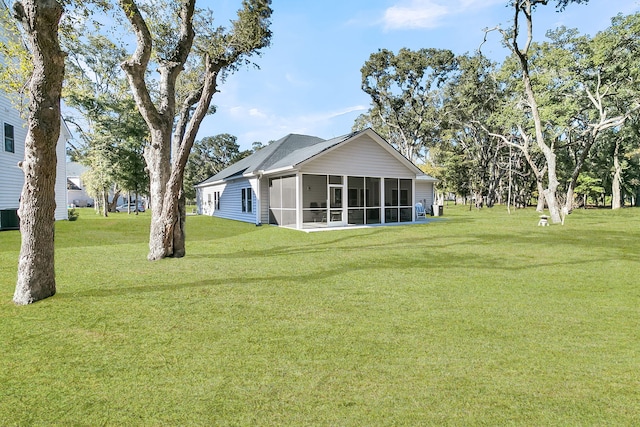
x,y
340,200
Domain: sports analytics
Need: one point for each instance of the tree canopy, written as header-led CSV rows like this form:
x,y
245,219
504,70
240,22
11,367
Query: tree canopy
x,y
553,116
208,157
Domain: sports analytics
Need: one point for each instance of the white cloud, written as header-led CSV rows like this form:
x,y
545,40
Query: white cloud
x,y
271,125
255,113
427,14
295,81
297,121
416,14
236,111
328,115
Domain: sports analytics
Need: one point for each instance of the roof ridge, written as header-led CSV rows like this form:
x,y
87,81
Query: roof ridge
x,y
272,157
274,146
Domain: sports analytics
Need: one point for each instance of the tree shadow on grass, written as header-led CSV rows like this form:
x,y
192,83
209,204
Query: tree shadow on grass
x,y
373,267
378,251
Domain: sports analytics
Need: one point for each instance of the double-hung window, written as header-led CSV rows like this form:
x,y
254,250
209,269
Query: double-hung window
x,y
247,202
9,142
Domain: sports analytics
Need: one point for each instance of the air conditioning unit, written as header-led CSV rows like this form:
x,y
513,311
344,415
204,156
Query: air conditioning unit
x,y
9,219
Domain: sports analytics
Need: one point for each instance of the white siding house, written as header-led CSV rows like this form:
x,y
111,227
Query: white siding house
x,y
14,132
306,182
61,172
76,192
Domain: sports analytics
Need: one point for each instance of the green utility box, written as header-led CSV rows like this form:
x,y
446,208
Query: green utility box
x,y
9,219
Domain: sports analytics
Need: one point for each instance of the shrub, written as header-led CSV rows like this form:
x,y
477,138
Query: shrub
x,y
73,215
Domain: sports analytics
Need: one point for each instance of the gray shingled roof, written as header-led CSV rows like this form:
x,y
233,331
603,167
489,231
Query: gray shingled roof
x,y
287,152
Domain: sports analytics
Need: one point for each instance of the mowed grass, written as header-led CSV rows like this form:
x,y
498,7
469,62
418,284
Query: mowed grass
x,y
481,318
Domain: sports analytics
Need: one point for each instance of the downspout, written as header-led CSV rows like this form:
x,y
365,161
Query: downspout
x,y
298,201
199,200
382,202
413,199
259,200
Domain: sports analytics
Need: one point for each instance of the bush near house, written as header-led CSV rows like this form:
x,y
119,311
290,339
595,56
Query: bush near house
x,y
481,318
73,214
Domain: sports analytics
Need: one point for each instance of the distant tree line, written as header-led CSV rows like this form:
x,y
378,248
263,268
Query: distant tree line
x,y
556,123
209,156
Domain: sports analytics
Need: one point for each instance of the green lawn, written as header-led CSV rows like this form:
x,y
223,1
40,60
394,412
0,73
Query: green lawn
x,y
482,318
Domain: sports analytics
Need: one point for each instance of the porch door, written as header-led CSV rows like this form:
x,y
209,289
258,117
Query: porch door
x,y
336,205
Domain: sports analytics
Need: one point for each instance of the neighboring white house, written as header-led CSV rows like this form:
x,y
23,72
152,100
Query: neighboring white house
x,y
306,182
76,192
14,133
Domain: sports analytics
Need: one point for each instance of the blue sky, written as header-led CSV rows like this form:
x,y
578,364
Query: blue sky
x,y
309,79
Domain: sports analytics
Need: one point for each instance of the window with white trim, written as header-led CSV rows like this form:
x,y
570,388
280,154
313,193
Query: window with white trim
x,y
216,200
247,200
9,141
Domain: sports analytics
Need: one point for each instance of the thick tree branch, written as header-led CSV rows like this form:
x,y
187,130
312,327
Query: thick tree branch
x,y
136,66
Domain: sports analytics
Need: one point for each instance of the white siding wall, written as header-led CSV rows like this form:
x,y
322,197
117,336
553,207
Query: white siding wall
x,y
264,200
230,200
424,194
199,201
77,197
362,157
11,176
207,199
61,175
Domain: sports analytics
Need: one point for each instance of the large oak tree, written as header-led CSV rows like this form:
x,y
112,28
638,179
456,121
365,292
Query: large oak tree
x,y
183,40
406,100
519,42
36,275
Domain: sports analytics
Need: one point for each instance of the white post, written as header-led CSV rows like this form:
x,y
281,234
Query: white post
x,y
298,201
257,200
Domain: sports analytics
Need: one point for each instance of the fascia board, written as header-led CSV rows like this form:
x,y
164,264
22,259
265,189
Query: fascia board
x,y
278,170
209,184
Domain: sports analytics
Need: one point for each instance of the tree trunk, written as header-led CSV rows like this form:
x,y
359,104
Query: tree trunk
x,y
114,202
568,205
617,179
105,202
36,272
158,164
541,204
179,249
551,196
526,7
166,172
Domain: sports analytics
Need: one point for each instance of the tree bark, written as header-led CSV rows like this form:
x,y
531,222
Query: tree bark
x,y
166,169
616,190
550,193
158,164
550,197
159,120
36,272
105,202
173,215
541,200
